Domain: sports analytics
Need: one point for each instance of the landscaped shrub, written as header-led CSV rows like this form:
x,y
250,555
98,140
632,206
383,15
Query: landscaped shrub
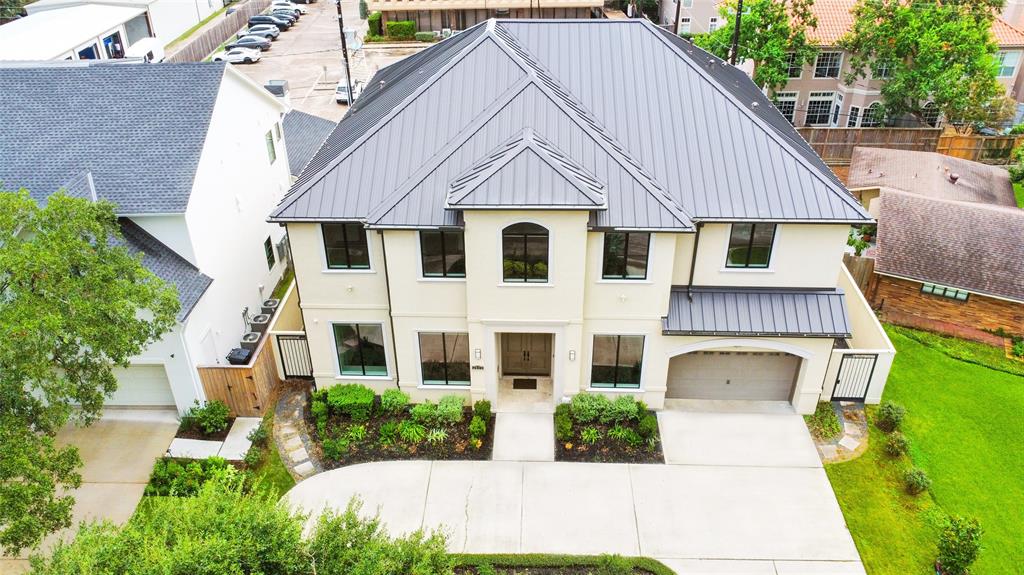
x,y
393,401
411,432
183,478
259,435
318,409
959,545
648,426
335,447
482,409
614,565
424,413
890,417
1018,347
401,30
449,409
425,36
622,409
387,435
353,400
590,435
563,425
211,418
374,22
897,445
356,433
626,435
437,435
589,407
823,423
486,569
477,428
916,481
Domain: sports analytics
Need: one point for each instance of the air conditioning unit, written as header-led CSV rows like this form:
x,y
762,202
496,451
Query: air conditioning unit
x,y
260,322
251,340
270,306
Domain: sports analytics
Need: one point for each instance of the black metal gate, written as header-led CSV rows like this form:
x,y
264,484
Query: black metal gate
x,y
855,371
295,356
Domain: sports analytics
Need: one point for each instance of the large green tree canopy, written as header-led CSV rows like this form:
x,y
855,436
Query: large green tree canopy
x,y
942,53
74,304
770,30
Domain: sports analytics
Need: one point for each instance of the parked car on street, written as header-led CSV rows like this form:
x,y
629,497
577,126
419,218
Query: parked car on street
x,y
286,4
258,42
281,23
341,92
286,14
268,31
238,56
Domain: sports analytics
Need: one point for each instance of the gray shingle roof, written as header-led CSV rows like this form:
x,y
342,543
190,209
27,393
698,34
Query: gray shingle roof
x,y
138,129
674,133
757,312
167,265
303,135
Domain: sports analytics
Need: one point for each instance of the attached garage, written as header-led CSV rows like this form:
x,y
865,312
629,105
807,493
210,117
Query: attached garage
x,y
142,386
758,376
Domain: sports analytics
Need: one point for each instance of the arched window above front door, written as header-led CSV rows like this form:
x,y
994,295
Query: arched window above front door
x,y
524,253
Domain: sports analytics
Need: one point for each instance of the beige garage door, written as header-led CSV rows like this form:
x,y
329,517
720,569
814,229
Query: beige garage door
x,y
142,385
732,375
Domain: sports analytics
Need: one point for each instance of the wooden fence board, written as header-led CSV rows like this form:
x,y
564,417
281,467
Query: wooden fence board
x,y
246,390
835,145
862,269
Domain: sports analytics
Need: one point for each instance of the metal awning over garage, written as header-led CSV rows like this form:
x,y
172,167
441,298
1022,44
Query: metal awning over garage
x,y
776,312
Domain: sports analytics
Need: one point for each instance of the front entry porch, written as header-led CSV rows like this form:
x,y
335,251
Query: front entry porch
x,y
525,382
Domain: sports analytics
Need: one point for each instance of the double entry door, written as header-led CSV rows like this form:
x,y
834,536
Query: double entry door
x,y
526,354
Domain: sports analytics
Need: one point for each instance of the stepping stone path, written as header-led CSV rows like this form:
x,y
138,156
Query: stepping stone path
x,y
293,442
854,439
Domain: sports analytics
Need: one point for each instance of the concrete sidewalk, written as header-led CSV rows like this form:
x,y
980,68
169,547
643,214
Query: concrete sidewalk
x,y
697,518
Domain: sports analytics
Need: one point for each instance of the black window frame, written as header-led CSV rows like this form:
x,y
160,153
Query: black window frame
x,y
506,236
750,246
445,272
616,367
625,257
362,358
347,248
268,250
448,381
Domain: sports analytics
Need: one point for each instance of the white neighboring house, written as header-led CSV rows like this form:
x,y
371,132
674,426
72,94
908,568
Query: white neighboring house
x,y
193,156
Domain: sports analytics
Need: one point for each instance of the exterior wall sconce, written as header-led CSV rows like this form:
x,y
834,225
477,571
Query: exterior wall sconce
x,y
572,355
477,354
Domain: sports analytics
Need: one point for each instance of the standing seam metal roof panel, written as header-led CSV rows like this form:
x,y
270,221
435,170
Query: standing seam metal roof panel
x,y
757,312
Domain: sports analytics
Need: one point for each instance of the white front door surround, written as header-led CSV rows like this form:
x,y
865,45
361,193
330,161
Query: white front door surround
x,y
492,330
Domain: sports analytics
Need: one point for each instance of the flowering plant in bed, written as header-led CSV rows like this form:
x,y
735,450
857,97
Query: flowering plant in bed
x,y
352,425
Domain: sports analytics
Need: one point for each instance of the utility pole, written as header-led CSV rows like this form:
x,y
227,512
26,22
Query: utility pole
x,y
344,52
679,14
735,33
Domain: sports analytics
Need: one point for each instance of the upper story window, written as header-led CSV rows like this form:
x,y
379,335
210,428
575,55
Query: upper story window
x,y
882,71
443,254
794,65
714,23
345,246
684,24
268,251
625,255
786,103
1007,63
271,150
524,253
944,291
827,64
360,348
750,246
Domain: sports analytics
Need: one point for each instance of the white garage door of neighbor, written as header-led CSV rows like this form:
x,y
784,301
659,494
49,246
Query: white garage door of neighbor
x,y
760,376
142,385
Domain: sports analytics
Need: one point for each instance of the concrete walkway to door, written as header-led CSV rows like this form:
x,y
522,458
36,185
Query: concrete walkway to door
x,y
699,517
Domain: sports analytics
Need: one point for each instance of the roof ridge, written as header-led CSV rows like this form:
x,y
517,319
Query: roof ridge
x,y
998,208
563,99
757,120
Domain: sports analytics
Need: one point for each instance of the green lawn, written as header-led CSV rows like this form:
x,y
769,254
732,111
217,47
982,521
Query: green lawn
x,y
1018,191
272,472
965,423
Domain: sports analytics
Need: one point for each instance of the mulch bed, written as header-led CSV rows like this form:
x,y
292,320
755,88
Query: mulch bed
x,y
589,570
605,450
456,447
197,433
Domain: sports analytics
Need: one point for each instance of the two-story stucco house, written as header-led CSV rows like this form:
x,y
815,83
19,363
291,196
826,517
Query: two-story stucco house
x,y
193,158
505,217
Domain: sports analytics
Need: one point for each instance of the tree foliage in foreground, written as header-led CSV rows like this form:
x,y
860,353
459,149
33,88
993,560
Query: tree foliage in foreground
x,y
226,530
770,30
933,52
70,301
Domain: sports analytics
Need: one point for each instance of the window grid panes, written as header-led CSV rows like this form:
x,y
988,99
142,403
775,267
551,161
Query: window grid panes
x,y
443,254
617,361
360,349
851,120
444,358
684,25
819,106
1007,63
625,255
786,103
268,250
794,65
271,151
524,253
827,64
750,245
944,291
872,116
345,246
713,24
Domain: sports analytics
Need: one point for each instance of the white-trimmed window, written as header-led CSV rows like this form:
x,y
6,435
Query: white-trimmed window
x,y
827,64
750,245
345,246
617,361
443,253
837,107
684,25
625,255
872,116
1008,61
853,117
360,349
444,358
687,3
944,291
524,251
794,65
786,103
882,73
819,107
930,114
271,150
714,23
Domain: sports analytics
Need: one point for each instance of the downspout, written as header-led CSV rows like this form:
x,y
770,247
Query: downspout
x,y
693,259
391,315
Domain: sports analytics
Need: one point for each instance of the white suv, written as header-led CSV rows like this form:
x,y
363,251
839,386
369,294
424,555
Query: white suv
x,y
286,4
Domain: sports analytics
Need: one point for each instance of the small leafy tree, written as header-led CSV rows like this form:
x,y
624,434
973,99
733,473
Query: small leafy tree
x,y
770,30
74,304
959,545
939,52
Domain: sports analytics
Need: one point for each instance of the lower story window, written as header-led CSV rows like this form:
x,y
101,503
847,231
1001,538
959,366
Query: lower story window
x,y
944,291
819,106
360,348
268,250
617,361
444,358
786,103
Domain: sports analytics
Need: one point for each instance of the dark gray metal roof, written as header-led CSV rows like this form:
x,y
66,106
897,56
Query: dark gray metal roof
x,y
303,135
675,134
757,312
167,265
138,129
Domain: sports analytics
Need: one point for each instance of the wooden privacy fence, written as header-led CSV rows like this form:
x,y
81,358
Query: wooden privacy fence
x,y
862,270
986,149
198,48
245,389
835,145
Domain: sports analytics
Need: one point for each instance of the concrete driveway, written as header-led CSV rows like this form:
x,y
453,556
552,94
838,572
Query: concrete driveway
x,y
117,454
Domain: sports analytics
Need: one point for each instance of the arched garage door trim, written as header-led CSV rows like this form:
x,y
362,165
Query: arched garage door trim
x,y
740,342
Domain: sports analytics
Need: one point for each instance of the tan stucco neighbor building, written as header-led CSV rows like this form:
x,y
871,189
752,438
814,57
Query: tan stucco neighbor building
x,y
490,219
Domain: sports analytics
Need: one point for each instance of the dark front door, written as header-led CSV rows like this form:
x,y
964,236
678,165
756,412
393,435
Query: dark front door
x,y
526,354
